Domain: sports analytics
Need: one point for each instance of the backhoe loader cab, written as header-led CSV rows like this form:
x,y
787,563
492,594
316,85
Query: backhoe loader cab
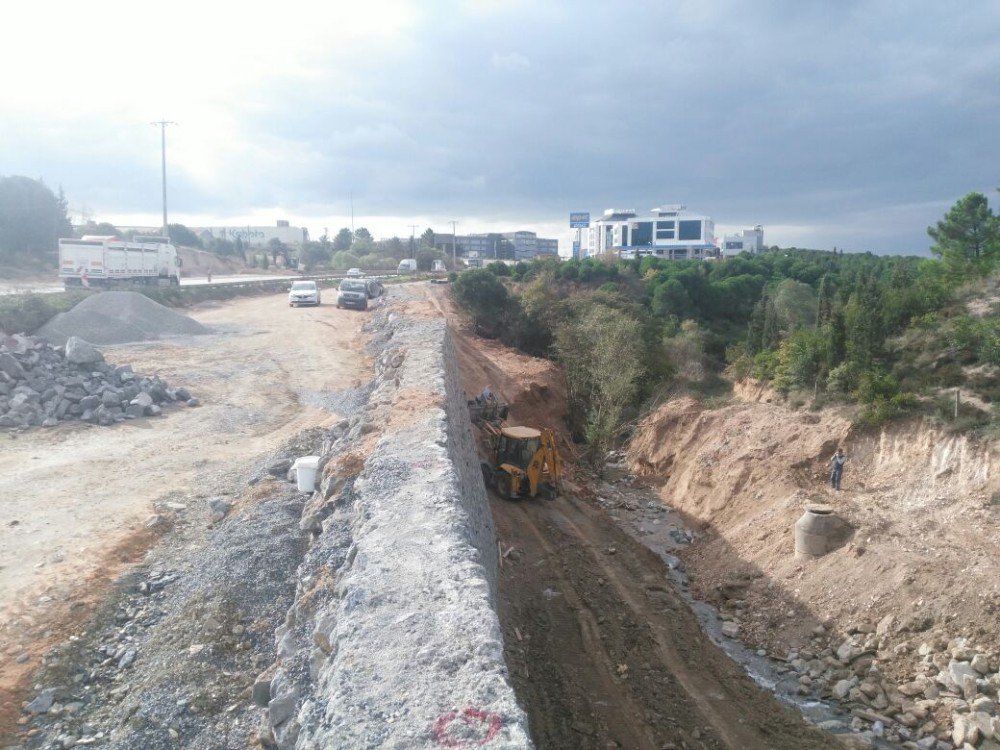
x,y
524,461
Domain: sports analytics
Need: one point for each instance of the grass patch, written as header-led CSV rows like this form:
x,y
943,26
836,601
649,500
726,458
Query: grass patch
x,y
26,313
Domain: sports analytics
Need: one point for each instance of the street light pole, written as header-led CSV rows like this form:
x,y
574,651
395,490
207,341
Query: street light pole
x,y
454,246
413,242
163,163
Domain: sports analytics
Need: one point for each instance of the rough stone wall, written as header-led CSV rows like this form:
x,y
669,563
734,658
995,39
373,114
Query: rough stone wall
x,y
394,641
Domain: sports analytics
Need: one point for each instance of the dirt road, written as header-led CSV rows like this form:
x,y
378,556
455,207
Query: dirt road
x,y
604,653
74,498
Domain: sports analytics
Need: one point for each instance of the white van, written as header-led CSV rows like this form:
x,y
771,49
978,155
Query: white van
x,y
407,265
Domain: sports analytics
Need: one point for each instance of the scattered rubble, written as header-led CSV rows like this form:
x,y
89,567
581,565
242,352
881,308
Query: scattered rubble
x,y
42,385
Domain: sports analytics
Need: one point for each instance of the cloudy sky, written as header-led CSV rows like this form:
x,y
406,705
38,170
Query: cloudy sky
x,y
842,123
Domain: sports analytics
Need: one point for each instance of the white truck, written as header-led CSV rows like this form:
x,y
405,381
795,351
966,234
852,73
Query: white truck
x,y
109,261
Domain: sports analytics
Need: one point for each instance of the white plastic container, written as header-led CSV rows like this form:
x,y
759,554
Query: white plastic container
x,y
305,472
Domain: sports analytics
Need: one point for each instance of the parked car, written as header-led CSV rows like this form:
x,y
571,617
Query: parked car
x,y
375,288
354,273
304,293
352,293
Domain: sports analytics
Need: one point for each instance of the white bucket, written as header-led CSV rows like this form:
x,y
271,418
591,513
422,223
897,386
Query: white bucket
x,y
305,472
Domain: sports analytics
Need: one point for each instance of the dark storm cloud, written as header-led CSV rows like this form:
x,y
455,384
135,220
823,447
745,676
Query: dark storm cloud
x,y
854,121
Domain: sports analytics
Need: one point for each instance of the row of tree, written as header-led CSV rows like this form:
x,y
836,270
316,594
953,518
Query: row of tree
x,y
867,328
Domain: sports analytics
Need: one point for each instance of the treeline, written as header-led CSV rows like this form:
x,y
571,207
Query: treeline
x,y
818,325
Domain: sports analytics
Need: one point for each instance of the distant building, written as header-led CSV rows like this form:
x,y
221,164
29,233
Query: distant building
x,y
255,236
744,241
668,232
519,245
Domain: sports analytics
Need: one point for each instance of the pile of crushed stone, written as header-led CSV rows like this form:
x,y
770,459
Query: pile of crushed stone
x,y
118,318
42,385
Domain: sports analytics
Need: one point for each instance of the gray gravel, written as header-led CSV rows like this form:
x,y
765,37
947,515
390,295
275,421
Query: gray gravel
x,y
118,318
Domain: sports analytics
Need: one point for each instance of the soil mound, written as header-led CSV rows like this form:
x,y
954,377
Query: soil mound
x,y
118,318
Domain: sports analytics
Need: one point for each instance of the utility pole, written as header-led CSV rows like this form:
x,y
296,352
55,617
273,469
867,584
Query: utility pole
x,y
162,124
454,246
350,198
413,242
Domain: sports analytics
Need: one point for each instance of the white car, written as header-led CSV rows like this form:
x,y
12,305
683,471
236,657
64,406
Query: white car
x,y
303,293
354,273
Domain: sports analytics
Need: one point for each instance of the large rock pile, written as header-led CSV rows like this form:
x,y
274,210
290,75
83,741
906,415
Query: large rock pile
x,y
947,697
41,385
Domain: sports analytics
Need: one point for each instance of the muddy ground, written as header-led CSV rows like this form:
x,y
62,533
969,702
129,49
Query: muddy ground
x,y
75,497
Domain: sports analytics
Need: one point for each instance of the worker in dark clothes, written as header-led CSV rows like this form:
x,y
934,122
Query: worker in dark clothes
x,y
837,468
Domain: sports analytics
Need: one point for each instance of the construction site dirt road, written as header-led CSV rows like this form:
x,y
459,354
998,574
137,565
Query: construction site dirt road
x,y
76,496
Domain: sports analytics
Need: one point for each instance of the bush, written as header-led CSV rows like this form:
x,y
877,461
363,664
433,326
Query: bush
x,y
498,269
26,313
483,296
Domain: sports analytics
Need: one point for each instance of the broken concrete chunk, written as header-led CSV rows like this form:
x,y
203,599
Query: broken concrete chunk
x,y
80,352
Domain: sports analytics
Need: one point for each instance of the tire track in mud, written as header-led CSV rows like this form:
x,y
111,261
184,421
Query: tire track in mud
x,y
604,654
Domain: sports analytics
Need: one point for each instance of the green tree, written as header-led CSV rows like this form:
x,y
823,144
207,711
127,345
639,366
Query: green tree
x,y
32,219
181,235
363,235
342,241
344,259
865,330
671,298
483,296
824,306
967,239
315,254
601,350
102,229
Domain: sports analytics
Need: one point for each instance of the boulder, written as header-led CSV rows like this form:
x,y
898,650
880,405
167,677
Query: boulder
x,y
79,352
143,400
42,702
980,663
12,367
842,689
731,629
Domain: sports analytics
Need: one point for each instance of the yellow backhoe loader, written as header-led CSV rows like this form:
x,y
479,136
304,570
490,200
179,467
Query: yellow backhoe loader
x,y
523,461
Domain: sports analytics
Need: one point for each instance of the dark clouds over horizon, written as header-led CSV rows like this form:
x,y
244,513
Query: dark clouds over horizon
x,y
852,123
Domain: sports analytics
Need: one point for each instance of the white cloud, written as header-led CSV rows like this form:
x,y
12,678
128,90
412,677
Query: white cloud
x,y
510,61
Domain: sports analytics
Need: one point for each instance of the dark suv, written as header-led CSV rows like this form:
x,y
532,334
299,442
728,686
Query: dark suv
x,y
352,293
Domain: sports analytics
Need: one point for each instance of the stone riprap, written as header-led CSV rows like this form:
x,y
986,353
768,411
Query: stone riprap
x,y
394,640
42,385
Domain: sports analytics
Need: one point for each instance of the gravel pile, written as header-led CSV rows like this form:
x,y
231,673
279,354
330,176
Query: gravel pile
x,y
41,385
171,659
118,318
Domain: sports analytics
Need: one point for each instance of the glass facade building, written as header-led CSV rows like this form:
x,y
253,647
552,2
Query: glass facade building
x,y
669,232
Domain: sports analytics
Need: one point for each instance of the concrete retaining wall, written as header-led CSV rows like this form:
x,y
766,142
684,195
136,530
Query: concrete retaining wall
x,y
394,641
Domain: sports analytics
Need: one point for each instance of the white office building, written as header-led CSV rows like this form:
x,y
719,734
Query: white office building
x,y
669,232
252,236
743,241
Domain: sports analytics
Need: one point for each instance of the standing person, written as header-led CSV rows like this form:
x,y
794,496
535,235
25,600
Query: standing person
x,y
837,468
210,276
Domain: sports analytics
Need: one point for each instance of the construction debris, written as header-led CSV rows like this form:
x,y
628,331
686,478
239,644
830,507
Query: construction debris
x,y
42,385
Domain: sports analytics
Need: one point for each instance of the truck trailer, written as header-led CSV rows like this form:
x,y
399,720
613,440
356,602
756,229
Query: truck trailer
x,y
110,261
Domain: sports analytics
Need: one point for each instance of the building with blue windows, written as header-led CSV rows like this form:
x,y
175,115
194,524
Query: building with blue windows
x,y
670,232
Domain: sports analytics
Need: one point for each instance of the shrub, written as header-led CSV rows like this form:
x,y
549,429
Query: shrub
x,y
483,296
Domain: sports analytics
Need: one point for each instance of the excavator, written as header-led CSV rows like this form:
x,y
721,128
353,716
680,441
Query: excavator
x,y
523,461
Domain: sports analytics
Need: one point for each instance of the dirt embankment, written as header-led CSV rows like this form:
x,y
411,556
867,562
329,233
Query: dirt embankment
x,y
602,650
917,572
